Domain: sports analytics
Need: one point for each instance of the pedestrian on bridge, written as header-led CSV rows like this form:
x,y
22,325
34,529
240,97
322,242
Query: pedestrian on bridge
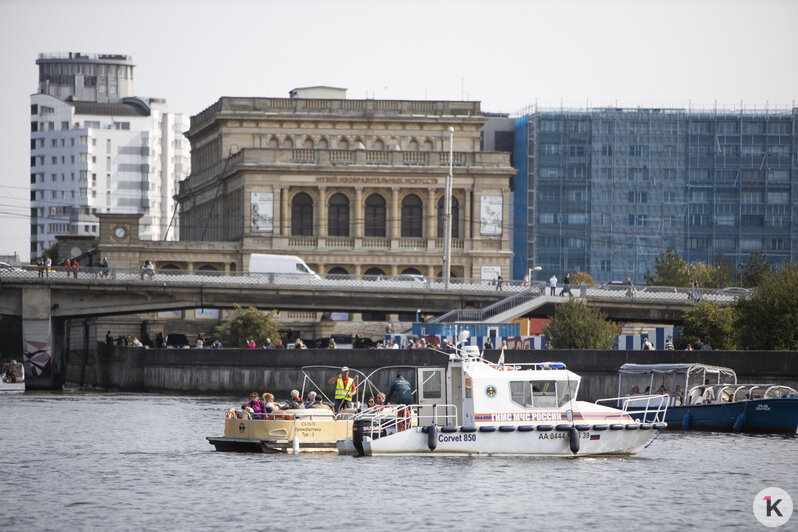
x,y
553,284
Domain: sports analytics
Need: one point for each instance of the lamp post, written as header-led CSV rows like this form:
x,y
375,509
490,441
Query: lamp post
x,y
447,220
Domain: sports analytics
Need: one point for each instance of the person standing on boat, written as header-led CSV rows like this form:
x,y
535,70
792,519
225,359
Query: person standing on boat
x,y
403,391
678,396
344,389
709,393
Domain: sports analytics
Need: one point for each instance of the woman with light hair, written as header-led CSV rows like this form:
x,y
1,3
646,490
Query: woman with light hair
x,y
268,400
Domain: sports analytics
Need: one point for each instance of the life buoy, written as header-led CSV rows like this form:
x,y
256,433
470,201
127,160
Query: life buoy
x,y
231,413
281,415
403,421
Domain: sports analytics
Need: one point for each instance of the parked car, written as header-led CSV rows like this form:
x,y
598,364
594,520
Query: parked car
x,y
736,291
177,341
410,278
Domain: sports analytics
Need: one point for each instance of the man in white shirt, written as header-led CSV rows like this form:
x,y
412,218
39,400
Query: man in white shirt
x,y
553,284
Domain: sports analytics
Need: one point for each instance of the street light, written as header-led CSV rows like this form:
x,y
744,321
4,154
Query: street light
x,y
532,271
447,220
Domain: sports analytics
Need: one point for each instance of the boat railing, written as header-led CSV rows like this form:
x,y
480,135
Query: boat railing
x,y
647,408
382,420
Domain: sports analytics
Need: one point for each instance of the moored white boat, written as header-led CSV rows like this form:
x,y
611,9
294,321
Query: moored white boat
x,y
475,407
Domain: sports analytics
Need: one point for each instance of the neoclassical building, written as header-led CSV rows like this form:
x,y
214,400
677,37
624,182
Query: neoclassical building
x,y
352,186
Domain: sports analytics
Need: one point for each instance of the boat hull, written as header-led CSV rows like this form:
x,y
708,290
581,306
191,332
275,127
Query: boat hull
x,y
307,434
769,416
504,440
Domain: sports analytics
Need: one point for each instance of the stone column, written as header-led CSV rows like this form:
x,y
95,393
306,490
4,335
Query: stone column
x,y
359,220
285,223
395,222
432,214
322,225
39,354
467,215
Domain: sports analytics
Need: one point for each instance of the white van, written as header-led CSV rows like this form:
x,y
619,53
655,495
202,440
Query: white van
x,y
260,263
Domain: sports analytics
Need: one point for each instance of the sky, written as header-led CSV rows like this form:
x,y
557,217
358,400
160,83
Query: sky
x,y
506,54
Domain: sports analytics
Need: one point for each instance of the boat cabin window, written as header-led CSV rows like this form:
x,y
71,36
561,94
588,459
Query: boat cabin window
x,y
541,394
431,384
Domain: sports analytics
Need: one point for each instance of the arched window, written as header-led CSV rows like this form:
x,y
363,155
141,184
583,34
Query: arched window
x,y
412,217
302,215
207,268
413,146
274,143
375,216
379,144
323,144
288,143
427,145
343,144
374,272
308,144
411,271
338,216
455,218
336,272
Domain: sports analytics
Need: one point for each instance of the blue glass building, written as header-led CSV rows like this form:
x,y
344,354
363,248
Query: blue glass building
x,y
606,190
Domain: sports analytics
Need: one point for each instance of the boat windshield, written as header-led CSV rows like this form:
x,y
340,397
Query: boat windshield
x,y
542,393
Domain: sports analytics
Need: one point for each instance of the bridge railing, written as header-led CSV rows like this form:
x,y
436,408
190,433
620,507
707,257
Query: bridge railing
x,y
519,292
210,277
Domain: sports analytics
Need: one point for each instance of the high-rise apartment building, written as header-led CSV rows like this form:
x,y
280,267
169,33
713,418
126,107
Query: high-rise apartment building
x,y
95,148
606,190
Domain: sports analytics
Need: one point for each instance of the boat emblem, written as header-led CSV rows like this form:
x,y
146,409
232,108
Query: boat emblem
x,y
569,415
490,390
241,427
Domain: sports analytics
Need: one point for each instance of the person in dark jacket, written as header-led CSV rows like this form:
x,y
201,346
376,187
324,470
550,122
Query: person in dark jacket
x,y
294,403
402,389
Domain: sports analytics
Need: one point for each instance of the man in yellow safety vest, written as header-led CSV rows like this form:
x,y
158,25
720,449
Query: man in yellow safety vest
x,y
344,389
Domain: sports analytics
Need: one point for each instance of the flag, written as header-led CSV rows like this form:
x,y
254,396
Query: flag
x,y
501,359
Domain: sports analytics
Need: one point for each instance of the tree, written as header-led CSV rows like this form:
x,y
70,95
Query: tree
x,y
249,323
719,274
577,326
768,318
713,324
755,270
582,278
669,270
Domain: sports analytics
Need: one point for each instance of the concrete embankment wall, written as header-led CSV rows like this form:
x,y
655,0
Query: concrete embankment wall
x,y
240,371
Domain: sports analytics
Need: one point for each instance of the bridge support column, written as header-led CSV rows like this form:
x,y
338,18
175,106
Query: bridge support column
x,y
42,341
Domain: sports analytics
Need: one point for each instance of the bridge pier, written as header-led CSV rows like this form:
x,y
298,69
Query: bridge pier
x,y
42,340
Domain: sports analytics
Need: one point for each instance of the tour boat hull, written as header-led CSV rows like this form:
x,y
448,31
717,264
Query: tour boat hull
x,y
771,416
299,432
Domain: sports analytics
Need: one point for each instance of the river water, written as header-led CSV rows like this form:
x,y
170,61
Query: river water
x,y
78,461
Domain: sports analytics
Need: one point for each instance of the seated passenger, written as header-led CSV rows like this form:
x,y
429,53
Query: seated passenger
x,y
256,405
635,391
678,396
662,391
380,398
294,403
371,403
311,399
268,400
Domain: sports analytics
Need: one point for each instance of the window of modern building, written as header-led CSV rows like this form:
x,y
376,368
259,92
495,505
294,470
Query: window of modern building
x,y
778,198
455,218
338,215
753,127
375,216
412,217
606,151
302,215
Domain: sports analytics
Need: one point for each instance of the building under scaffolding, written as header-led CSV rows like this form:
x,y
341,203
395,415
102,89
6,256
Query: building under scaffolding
x,y
606,190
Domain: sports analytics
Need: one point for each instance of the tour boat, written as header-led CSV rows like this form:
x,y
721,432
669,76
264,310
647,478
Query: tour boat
x,y
307,430
476,407
723,405
303,430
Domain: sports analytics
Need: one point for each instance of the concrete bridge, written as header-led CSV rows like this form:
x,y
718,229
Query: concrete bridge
x,y
46,303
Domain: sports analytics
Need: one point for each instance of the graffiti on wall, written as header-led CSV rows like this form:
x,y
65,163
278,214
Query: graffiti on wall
x,y
37,348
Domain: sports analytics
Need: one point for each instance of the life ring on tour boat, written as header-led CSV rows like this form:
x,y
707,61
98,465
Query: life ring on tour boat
x,y
403,420
281,415
232,413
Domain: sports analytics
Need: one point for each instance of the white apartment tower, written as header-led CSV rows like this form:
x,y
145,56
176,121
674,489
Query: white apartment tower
x,y
96,148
